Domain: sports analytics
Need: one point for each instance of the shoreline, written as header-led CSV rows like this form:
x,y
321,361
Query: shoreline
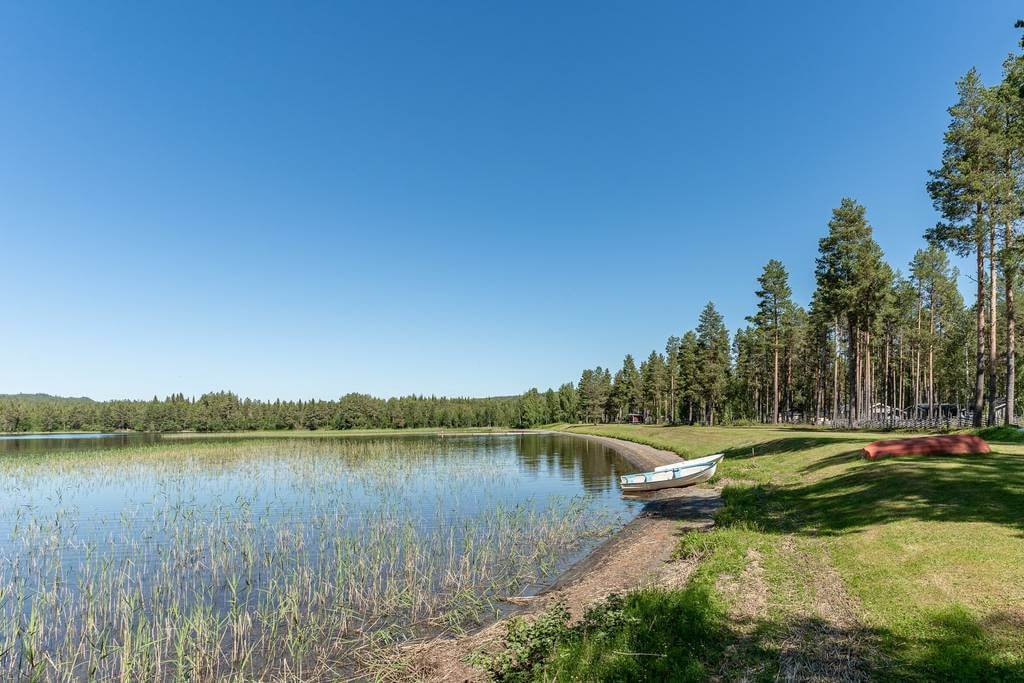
x,y
639,554
638,454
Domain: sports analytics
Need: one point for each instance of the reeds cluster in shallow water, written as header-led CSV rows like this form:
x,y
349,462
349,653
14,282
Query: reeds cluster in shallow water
x,y
253,560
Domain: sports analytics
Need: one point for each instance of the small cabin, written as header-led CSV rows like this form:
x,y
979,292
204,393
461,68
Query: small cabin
x,y
635,418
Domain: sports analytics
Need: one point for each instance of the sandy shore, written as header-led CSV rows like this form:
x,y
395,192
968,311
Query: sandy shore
x,y
640,554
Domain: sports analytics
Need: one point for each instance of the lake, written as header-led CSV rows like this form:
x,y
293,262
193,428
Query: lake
x,y
52,443
281,557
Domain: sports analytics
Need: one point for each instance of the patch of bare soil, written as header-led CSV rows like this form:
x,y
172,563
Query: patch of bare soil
x,y
1009,619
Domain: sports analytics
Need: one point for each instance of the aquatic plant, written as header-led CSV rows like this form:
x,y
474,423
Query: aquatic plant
x,y
299,559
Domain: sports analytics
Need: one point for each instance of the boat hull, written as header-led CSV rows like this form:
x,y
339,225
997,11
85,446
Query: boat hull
x,y
677,478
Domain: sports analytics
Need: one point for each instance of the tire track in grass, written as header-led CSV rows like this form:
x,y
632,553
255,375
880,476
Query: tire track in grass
x,y
827,637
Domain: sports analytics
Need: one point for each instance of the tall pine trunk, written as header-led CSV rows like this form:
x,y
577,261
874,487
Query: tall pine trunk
x,y
917,353
899,378
835,374
1009,280
819,391
775,379
932,413
886,393
992,325
869,378
853,362
979,367
789,384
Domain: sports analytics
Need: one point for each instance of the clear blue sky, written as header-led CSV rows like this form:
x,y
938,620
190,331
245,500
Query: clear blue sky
x,y
305,199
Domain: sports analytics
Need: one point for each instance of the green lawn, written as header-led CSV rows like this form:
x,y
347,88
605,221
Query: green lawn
x,y
905,569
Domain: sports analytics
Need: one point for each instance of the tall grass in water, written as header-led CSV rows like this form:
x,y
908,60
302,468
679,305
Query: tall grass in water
x,y
284,560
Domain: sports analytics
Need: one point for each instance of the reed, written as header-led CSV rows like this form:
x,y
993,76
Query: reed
x,y
285,559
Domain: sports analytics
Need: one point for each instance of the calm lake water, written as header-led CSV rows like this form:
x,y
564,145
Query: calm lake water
x,y
312,554
54,443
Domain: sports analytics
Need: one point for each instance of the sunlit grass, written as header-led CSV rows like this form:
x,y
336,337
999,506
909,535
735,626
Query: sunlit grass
x,y
929,549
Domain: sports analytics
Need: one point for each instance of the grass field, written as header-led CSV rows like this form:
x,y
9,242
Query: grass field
x,y
824,564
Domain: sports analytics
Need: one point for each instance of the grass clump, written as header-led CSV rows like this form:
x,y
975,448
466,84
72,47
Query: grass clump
x,y
648,635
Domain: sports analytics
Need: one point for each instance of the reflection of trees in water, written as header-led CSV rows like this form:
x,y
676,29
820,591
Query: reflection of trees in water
x,y
599,465
55,444
548,453
595,465
529,453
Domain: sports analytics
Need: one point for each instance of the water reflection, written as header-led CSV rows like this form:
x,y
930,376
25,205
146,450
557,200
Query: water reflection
x,y
55,443
404,531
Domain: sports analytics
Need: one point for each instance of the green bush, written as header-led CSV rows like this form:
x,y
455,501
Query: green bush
x,y
647,635
1002,433
527,645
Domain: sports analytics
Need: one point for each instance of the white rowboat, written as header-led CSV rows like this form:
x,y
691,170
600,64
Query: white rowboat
x,y
685,473
706,460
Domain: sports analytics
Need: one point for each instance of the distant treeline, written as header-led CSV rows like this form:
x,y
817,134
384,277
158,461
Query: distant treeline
x,y
224,411
871,344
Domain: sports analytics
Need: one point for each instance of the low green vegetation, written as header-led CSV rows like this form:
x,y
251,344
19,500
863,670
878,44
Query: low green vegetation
x,y
652,633
1002,434
823,563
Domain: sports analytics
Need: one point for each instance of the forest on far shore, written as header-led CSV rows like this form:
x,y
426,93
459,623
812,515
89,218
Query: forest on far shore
x,y
875,344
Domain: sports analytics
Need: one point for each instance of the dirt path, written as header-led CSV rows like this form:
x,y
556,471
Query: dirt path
x,y
827,637
639,555
823,638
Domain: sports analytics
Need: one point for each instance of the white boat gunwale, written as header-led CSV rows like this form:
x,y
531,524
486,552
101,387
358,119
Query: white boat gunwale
x,y
693,462
684,473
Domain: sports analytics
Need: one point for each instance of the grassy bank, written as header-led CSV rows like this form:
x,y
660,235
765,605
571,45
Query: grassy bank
x,y
823,564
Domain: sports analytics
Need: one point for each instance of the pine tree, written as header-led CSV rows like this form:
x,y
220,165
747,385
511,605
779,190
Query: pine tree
x,y
934,282
653,384
960,189
1008,102
713,360
773,303
689,364
853,284
568,403
672,376
631,384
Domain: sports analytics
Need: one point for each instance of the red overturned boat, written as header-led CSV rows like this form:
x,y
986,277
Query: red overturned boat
x,y
953,444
